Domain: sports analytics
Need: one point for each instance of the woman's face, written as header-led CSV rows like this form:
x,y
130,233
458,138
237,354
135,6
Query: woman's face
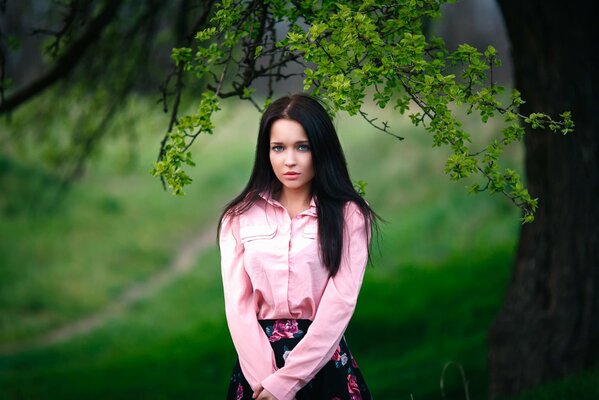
x,y
290,155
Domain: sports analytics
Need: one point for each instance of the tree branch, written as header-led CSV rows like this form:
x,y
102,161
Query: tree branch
x,y
67,62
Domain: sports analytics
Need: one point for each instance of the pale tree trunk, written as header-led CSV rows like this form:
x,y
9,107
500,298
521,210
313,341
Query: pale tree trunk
x,y
549,324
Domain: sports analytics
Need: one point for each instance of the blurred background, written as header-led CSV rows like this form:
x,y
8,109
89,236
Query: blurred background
x,y
110,286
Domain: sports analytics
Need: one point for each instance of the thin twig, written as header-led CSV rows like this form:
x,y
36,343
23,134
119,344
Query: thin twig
x,y
463,375
384,129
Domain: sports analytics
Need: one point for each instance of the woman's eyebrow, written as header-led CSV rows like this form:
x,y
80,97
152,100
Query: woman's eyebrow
x,y
298,142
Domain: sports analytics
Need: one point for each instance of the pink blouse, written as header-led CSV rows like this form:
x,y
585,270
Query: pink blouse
x,y
271,269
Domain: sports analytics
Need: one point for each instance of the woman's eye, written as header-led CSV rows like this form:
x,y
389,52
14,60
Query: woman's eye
x,y
277,149
303,147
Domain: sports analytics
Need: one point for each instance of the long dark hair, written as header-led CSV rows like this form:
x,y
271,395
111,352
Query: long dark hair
x,y
331,186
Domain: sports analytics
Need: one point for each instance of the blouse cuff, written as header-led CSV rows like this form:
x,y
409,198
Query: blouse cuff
x,y
281,386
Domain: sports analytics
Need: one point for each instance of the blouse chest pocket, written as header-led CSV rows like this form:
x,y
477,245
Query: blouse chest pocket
x,y
257,232
310,231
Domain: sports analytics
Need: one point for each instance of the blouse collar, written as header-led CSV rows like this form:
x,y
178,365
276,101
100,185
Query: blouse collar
x,y
310,211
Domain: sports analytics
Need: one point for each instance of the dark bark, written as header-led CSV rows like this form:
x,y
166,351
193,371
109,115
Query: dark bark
x,y
549,324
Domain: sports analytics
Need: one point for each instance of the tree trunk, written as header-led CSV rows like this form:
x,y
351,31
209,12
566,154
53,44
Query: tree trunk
x,y
549,324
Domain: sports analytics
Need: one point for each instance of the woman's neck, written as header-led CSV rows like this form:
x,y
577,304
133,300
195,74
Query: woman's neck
x,y
295,201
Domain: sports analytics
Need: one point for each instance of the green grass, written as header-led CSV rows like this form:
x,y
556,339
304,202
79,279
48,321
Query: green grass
x,y
114,228
583,385
176,345
170,346
436,285
411,322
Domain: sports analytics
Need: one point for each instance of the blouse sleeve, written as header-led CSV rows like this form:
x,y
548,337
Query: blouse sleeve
x,y
256,357
332,317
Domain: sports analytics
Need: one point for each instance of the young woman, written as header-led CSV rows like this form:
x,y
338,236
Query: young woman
x,y
294,245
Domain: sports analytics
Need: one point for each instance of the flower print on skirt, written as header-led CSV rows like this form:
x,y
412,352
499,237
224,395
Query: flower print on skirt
x,y
339,379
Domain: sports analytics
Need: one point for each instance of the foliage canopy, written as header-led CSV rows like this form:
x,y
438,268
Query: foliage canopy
x,y
351,51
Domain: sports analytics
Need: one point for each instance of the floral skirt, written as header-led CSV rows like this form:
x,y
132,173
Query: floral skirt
x,y
339,379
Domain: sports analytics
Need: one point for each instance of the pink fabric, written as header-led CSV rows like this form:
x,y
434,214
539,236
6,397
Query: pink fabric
x,y
271,269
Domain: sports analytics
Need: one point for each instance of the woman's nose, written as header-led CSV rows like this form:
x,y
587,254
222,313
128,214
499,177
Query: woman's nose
x,y
290,159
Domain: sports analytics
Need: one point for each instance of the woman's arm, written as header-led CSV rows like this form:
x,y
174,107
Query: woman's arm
x,y
253,349
334,312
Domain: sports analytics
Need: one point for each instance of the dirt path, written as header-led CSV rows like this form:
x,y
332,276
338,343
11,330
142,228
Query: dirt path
x,y
180,265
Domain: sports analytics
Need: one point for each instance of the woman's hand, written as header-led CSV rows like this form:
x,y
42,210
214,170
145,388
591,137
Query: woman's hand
x,y
262,394
266,395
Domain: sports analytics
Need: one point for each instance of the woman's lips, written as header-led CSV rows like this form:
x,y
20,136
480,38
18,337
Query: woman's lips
x,y
291,175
